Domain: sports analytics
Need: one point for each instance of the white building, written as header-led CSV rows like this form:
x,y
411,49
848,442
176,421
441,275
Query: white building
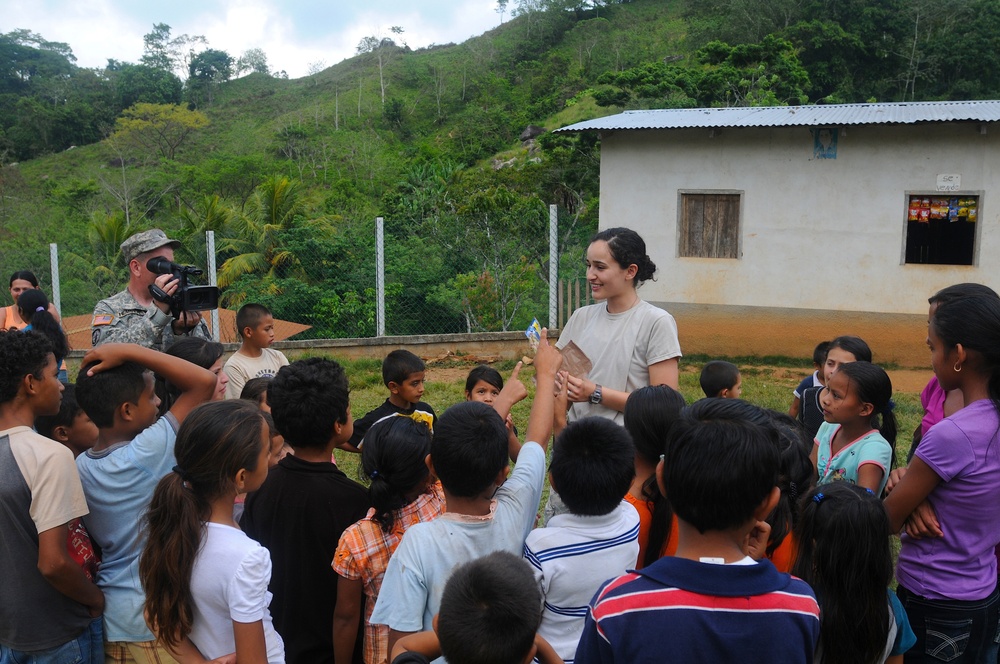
x,y
854,207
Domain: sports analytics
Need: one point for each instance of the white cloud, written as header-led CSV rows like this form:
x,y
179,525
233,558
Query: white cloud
x,y
292,34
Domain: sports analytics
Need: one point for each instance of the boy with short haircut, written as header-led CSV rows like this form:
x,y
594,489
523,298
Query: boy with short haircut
x,y
815,380
134,450
255,357
592,469
48,607
71,427
469,456
711,602
490,611
304,506
403,374
721,379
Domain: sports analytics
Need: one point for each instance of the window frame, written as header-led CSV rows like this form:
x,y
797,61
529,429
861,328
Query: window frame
x,y
681,193
979,194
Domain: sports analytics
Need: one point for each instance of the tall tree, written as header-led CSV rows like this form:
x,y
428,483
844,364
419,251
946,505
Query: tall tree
x,y
208,70
158,128
172,54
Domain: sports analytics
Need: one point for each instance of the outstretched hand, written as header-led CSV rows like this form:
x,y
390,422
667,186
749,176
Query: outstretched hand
x,y
547,357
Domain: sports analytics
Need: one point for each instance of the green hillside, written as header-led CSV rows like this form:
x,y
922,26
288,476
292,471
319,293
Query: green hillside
x,y
292,173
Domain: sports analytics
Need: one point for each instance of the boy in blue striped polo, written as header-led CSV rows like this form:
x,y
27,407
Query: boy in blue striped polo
x,y
711,602
592,468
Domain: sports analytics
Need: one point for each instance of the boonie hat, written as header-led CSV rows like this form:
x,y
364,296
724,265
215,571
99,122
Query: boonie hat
x,y
145,241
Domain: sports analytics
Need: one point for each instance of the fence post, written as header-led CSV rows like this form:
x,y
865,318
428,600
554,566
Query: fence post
x,y
54,267
553,265
380,277
212,280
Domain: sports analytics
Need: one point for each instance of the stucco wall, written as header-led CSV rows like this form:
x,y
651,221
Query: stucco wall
x,y
816,234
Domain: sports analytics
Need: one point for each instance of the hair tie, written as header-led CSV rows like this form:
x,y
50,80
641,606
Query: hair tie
x,y
373,474
793,491
892,406
818,498
39,308
869,491
184,476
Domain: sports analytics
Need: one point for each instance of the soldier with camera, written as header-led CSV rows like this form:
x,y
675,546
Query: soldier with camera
x,y
135,315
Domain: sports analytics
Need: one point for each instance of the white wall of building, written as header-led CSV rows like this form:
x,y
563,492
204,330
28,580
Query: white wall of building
x,y
815,233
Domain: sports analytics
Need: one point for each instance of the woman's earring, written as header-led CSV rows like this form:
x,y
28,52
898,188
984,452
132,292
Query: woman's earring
x,y
958,367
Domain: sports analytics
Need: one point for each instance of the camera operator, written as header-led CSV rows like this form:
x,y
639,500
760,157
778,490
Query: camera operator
x,y
133,316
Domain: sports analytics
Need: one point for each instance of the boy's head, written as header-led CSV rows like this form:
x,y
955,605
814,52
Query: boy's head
x,y
27,364
721,379
255,325
593,463
403,374
819,354
255,390
719,466
70,426
469,448
310,403
123,395
490,610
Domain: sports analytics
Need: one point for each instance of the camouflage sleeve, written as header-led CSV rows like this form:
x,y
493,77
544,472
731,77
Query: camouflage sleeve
x,y
143,327
200,330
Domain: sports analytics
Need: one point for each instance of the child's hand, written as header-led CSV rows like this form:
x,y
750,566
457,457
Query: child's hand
x,y
923,522
562,400
108,356
756,543
547,359
894,478
513,388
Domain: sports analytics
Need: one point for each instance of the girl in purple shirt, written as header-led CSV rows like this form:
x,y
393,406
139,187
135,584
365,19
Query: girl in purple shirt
x,y
948,580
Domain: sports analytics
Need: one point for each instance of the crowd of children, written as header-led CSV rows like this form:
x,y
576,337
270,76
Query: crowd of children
x,y
195,528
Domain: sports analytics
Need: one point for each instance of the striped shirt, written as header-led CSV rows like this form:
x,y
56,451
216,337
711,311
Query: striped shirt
x,y
679,610
572,557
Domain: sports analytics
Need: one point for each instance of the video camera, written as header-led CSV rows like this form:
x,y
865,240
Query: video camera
x,y
186,297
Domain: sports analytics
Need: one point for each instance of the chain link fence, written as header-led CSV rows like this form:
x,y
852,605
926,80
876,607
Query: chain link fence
x,y
330,287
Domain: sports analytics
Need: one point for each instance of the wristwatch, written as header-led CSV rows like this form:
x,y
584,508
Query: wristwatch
x,y
596,396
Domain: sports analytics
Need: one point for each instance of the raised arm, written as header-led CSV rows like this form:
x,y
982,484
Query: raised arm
x,y
547,362
195,383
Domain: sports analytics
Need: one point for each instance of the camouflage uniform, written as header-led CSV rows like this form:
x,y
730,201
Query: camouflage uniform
x,y
120,318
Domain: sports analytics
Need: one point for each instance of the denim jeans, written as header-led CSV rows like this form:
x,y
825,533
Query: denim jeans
x,y
88,648
952,630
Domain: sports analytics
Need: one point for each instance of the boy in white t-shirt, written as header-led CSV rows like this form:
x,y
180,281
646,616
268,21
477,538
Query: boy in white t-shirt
x,y
255,358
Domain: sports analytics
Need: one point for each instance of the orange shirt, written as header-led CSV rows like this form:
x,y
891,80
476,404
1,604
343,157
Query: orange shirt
x,y
645,511
784,556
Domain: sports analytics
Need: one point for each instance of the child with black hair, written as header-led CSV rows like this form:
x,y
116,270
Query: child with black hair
x,y
857,442
721,379
304,506
484,384
592,467
710,602
200,352
134,450
490,609
815,380
469,455
34,307
403,375
205,580
649,413
255,389
71,427
402,493
841,350
795,478
49,610
846,557
255,358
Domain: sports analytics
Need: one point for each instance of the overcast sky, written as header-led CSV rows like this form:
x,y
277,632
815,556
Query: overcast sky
x,y
293,33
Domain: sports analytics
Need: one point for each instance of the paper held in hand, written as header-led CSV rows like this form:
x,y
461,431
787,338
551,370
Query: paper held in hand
x,y
575,361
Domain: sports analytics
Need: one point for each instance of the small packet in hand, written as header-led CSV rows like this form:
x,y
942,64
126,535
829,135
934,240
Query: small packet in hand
x,y
534,334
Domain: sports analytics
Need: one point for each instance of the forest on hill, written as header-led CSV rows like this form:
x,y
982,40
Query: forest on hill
x,y
291,174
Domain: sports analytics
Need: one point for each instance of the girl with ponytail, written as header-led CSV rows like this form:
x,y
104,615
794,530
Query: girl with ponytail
x,y
402,492
34,308
205,580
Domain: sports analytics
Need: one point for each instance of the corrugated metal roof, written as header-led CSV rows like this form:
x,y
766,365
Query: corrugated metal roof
x,y
795,116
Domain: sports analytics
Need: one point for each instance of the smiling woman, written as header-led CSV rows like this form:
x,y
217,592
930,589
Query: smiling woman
x,y
629,342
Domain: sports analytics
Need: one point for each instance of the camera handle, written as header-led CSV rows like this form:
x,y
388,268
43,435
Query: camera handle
x,y
161,295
